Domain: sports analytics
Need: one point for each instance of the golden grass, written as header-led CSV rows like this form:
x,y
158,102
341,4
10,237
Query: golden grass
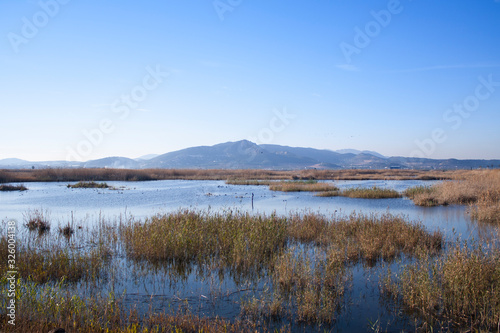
x,y
82,174
248,182
363,193
480,189
235,240
301,186
304,260
41,308
89,184
461,288
9,188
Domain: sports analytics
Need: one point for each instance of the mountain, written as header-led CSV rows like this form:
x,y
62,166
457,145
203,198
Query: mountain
x,y
248,155
357,152
230,155
113,162
146,157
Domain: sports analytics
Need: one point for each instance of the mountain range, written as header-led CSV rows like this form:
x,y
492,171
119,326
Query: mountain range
x,y
248,155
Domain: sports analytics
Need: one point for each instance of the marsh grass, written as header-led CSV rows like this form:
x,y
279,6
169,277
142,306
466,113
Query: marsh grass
x,y
367,238
37,220
91,184
83,174
8,188
301,186
304,260
460,288
42,307
480,189
235,240
363,193
248,182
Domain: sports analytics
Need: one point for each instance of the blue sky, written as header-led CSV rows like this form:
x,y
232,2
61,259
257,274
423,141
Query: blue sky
x,y
88,79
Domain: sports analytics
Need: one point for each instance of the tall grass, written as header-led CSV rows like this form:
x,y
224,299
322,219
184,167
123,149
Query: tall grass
x,y
363,193
460,288
248,182
479,189
89,184
100,174
301,186
10,188
236,240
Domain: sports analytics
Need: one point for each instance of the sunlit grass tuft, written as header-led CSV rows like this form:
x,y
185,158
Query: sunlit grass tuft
x,y
363,193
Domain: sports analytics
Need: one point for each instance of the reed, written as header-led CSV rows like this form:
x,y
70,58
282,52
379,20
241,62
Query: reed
x,y
363,193
301,186
248,182
10,188
87,184
37,220
235,240
100,174
460,288
480,189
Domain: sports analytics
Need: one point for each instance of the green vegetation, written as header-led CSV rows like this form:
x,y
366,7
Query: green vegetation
x,y
364,193
89,185
8,188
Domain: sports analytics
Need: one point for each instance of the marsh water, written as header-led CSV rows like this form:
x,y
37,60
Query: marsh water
x,y
147,287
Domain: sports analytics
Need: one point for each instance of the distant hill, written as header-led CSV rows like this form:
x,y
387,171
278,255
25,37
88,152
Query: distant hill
x,y
248,155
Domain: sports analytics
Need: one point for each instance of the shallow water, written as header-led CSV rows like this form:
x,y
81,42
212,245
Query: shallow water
x,y
143,199
207,295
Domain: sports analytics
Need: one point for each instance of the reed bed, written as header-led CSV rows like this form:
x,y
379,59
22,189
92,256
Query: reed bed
x,y
248,182
238,241
301,186
45,307
459,289
89,184
11,188
366,238
363,193
480,189
101,174
304,261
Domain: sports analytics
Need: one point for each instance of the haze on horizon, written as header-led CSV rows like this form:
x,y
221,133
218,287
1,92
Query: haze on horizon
x,y
89,79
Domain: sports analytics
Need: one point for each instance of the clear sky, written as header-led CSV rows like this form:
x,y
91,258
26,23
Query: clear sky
x,y
85,79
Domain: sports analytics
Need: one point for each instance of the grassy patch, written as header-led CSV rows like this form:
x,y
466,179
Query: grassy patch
x,y
301,186
363,193
37,220
479,189
248,182
8,188
89,185
83,174
238,241
460,288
